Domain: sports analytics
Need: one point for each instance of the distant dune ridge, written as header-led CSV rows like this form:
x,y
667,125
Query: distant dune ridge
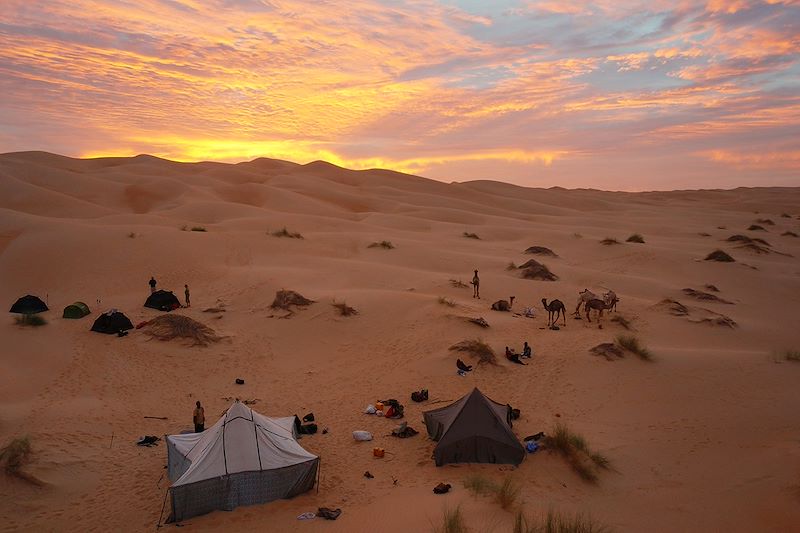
x,y
701,439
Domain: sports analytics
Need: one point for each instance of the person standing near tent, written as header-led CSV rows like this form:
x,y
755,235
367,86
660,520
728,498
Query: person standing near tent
x,y
199,418
476,283
186,295
152,284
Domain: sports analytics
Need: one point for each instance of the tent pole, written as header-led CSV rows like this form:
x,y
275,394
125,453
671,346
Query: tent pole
x,y
163,505
319,473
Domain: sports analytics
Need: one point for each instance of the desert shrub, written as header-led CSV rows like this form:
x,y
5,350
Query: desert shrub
x,y
788,234
444,301
344,309
704,234
476,348
792,355
577,236
608,241
452,521
387,245
458,284
756,227
168,327
198,228
786,215
766,221
30,320
132,235
480,321
535,270
471,235
511,266
635,238
479,485
631,343
285,299
16,454
286,233
719,255
540,250
622,321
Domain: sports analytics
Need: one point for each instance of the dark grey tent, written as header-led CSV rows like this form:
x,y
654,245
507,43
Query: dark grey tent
x,y
76,310
473,429
163,301
28,305
112,322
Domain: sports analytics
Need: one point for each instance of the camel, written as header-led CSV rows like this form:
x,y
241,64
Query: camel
x,y
611,299
584,296
554,308
598,305
503,305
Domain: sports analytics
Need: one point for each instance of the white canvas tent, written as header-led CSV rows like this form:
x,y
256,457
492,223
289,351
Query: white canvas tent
x,y
244,459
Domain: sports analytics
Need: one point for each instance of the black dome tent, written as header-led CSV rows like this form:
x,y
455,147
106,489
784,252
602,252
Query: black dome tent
x,y
112,322
28,305
163,301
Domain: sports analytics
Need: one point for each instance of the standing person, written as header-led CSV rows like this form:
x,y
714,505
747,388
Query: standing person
x,y
152,284
199,418
476,283
186,295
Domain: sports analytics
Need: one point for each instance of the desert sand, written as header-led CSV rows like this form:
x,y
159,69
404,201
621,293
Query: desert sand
x,y
703,438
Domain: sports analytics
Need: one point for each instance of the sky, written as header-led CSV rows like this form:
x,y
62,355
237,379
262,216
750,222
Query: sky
x,y
612,94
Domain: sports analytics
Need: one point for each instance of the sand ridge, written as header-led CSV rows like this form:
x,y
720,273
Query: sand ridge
x,y
704,438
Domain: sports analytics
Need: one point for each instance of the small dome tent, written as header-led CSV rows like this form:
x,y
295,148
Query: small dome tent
x,y
28,305
112,322
473,429
163,301
76,310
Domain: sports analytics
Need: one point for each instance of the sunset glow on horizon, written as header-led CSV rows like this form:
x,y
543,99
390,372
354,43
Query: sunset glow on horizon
x,y
627,95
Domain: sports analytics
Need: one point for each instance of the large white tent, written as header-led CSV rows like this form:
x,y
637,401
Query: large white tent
x,y
244,459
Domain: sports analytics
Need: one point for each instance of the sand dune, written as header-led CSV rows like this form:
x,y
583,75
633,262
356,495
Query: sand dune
x,y
702,439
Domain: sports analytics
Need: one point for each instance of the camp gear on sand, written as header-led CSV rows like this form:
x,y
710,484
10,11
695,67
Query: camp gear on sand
x,y
463,366
419,396
404,431
537,436
148,440
378,452
531,446
360,435
307,516
441,488
329,514
368,475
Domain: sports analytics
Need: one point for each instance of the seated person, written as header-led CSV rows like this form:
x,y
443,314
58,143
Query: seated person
x,y
526,350
513,357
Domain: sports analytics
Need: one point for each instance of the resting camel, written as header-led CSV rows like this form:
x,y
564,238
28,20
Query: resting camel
x,y
584,296
554,308
503,305
598,305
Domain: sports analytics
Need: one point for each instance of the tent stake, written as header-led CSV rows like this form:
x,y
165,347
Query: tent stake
x,y
112,440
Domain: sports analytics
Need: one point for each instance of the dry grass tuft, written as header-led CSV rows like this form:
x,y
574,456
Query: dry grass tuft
x,y
608,241
788,234
706,296
792,355
476,348
766,221
556,522
30,320
15,455
622,321
635,238
507,493
756,227
576,452
719,255
132,235
286,299
387,245
704,234
631,343
458,284
480,321
609,350
286,233
452,522
511,266
479,485
199,228
535,270
344,309
168,327
444,301
471,235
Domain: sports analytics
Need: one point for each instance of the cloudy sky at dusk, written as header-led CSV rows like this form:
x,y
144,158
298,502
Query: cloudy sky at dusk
x,y
613,94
